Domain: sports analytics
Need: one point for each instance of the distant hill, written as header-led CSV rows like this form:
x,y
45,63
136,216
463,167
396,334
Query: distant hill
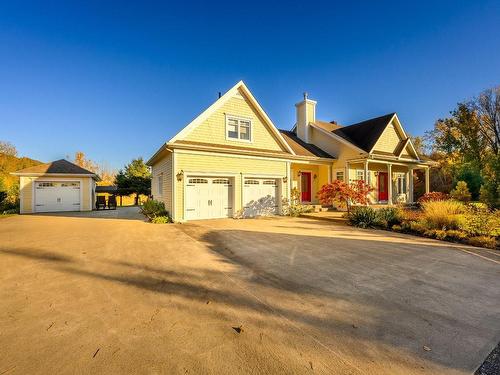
x,y
9,163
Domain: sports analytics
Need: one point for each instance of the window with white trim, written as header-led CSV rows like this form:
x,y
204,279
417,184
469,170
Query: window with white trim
x,y
360,174
160,185
401,183
238,129
340,175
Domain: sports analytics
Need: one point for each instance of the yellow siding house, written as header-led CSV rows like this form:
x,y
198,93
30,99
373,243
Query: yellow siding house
x,y
232,161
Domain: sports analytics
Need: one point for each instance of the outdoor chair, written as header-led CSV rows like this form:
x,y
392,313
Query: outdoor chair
x,y
112,202
100,202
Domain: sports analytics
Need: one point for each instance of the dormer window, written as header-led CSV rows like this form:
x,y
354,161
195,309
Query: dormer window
x,y
238,129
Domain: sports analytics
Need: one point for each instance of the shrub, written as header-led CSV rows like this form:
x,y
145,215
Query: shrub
x,y
461,192
161,220
483,241
456,235
362,216
442,214
433,196
388,216
397,228
153,208
417,227
481,223
293,207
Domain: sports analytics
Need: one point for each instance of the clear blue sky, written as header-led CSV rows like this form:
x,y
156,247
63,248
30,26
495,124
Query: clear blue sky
x,y
117,80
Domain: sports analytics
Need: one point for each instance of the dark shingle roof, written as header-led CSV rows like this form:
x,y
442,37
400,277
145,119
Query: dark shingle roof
x,y
58,167
366,133
302,148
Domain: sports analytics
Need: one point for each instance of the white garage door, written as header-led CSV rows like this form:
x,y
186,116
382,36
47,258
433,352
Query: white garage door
x,y
209,198
260,197
52,196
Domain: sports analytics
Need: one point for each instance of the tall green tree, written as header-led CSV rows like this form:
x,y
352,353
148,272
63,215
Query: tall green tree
x,y
135,178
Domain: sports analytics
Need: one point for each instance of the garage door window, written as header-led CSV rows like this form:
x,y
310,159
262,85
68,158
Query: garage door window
x,y
252,182
220,181
42,185
198,181
269,182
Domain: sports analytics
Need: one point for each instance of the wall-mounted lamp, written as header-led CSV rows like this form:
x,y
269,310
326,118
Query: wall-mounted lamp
x,y
180,175
376,174
315,176
285,179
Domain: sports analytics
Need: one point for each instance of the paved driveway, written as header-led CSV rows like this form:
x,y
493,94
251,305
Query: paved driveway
x,y
83,294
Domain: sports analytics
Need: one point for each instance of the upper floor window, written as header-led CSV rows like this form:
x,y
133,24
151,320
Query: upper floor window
x,y
238,129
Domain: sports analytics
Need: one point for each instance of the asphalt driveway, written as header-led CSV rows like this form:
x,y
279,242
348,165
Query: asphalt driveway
x,y
117,295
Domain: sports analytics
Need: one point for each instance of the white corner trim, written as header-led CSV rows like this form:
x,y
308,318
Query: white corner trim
x,y
174,186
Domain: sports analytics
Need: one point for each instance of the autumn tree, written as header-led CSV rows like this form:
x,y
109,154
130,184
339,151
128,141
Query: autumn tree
x,y
467,145
7,148
106,174
344,194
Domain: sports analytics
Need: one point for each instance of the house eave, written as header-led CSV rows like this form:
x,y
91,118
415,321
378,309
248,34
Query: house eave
x,y
288,157
55,175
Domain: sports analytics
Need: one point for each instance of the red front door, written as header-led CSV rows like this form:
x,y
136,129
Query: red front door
x,y
382,186
305,186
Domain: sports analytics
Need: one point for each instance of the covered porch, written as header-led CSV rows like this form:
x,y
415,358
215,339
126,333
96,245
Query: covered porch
x,y
308,178
392,181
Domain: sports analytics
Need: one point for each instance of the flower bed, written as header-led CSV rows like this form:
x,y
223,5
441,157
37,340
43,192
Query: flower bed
x,y
447,220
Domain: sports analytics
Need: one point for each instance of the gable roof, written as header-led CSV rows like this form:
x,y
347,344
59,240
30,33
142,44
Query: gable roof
x,y
302,148
221,101
366,133
61,166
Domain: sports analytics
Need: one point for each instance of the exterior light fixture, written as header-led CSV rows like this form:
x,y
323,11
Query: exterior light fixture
x,y
180,175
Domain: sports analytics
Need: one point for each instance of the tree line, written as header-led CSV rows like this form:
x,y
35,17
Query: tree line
x,y
466,146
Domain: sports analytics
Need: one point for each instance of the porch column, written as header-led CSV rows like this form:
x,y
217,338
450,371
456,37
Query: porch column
x,y
410,185
427,180
346,173
366,171
389,183
329,174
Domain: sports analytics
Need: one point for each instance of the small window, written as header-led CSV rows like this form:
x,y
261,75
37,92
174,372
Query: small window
x,y
401,183
251,182
269,182
160,185
220,181
340,176
70,184
239,129
360,174
198,181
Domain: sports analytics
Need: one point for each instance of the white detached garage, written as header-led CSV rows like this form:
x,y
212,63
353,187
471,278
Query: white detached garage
x,y
56,187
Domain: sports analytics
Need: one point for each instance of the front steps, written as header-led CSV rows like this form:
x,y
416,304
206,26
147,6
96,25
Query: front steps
x,y
320,208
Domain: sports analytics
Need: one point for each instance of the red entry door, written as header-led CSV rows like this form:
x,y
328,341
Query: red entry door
x,y
305,186
383,195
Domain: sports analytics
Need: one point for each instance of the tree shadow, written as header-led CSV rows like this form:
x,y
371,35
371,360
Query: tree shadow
x,y
121,213
349,288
